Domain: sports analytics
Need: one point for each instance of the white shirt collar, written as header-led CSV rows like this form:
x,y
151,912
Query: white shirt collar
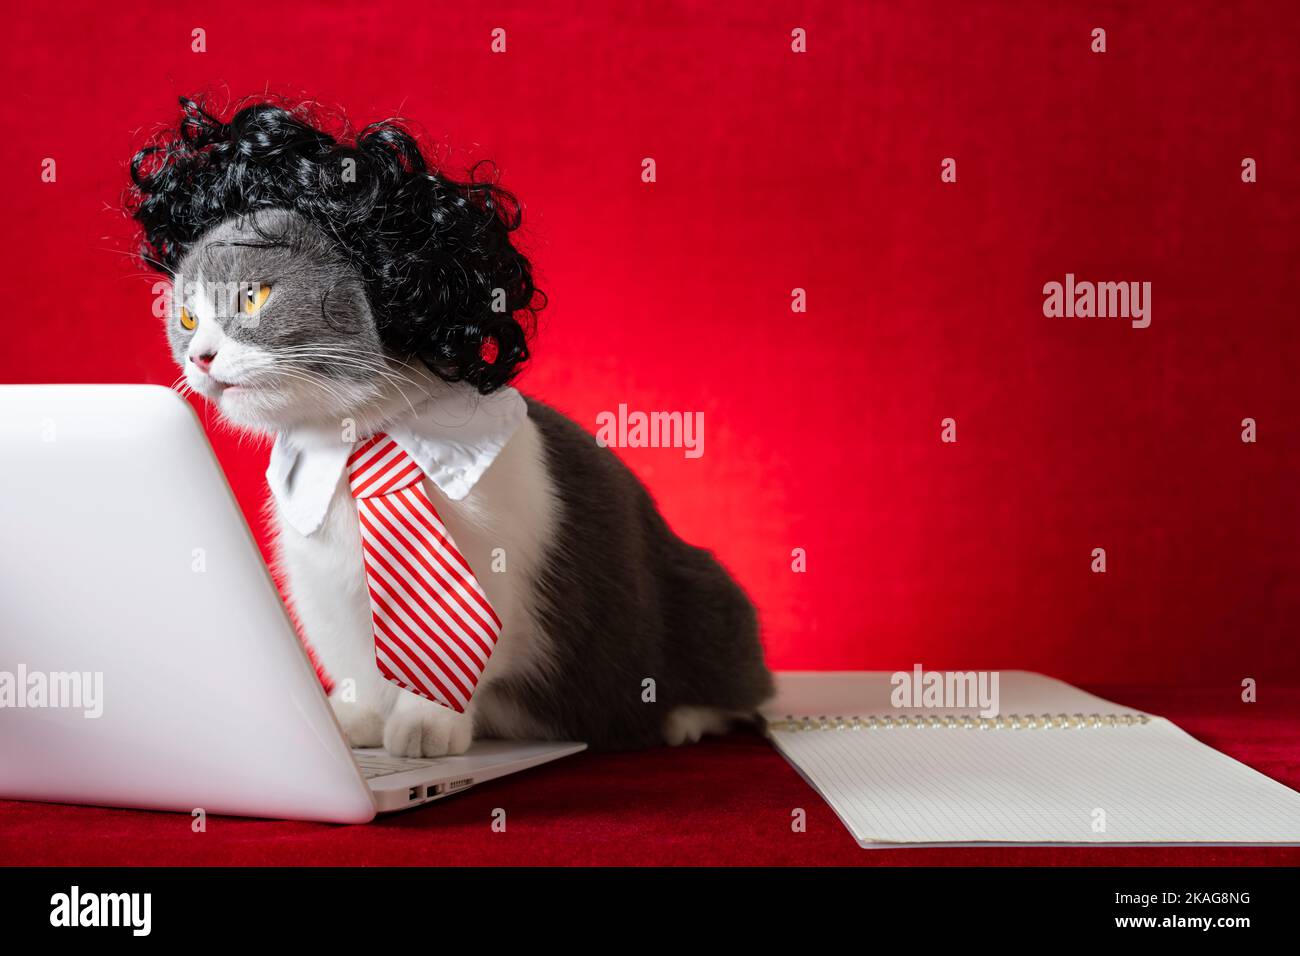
x,y
453,439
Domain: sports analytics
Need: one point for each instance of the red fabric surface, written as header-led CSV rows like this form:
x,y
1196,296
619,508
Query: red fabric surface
x,y
724,801
818,171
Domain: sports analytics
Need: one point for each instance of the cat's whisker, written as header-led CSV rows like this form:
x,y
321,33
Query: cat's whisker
x,y
355,357
349,364
179,384
352,356
366,366
257,376
318,381
315,381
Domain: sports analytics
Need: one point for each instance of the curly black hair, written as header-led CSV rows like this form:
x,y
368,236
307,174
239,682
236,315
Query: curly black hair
x,y
446,284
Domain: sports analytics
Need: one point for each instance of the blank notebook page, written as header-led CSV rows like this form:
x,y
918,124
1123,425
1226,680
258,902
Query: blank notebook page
x,y
952,783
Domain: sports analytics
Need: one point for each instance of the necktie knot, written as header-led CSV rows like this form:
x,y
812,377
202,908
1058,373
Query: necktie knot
x,y
379,466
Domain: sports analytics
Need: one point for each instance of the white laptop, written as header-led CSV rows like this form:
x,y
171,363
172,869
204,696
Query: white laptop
x,y
145,657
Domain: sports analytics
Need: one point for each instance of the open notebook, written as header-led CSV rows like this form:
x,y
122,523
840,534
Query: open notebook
x,y
1059,766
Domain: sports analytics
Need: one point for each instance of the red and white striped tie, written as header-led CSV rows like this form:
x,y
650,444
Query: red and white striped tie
x,y
434,628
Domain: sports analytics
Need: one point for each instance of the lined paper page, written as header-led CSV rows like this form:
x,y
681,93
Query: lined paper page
x,y
1148,783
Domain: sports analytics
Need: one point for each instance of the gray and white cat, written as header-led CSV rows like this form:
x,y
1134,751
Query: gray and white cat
x,y
597,596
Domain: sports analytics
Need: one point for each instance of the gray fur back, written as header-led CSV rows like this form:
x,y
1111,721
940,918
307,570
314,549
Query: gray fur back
x,y
625,599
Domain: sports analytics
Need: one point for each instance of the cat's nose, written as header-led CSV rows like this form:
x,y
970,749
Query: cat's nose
x,y
204,361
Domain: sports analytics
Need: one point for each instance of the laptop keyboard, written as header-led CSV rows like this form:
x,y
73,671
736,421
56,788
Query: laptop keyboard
x,y
374,765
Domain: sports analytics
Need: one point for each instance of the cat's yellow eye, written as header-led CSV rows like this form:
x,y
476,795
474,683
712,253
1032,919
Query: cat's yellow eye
x,y
254,297
187,320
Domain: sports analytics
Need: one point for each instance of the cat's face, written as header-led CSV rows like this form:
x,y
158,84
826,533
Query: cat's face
x,y
271,326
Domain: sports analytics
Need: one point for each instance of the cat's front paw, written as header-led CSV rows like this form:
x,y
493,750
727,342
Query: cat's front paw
x,y
421,728
361,725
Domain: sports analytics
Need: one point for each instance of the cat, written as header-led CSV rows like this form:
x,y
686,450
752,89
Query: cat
x,y
327,289
615,631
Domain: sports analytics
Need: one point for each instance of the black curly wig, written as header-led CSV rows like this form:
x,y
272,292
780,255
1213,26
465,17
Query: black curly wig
x,y
432,251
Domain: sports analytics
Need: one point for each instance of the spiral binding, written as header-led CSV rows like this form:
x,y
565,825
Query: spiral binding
x,y
1009,722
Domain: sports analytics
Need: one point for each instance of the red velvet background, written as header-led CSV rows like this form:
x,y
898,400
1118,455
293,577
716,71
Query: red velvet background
x,y
820,171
